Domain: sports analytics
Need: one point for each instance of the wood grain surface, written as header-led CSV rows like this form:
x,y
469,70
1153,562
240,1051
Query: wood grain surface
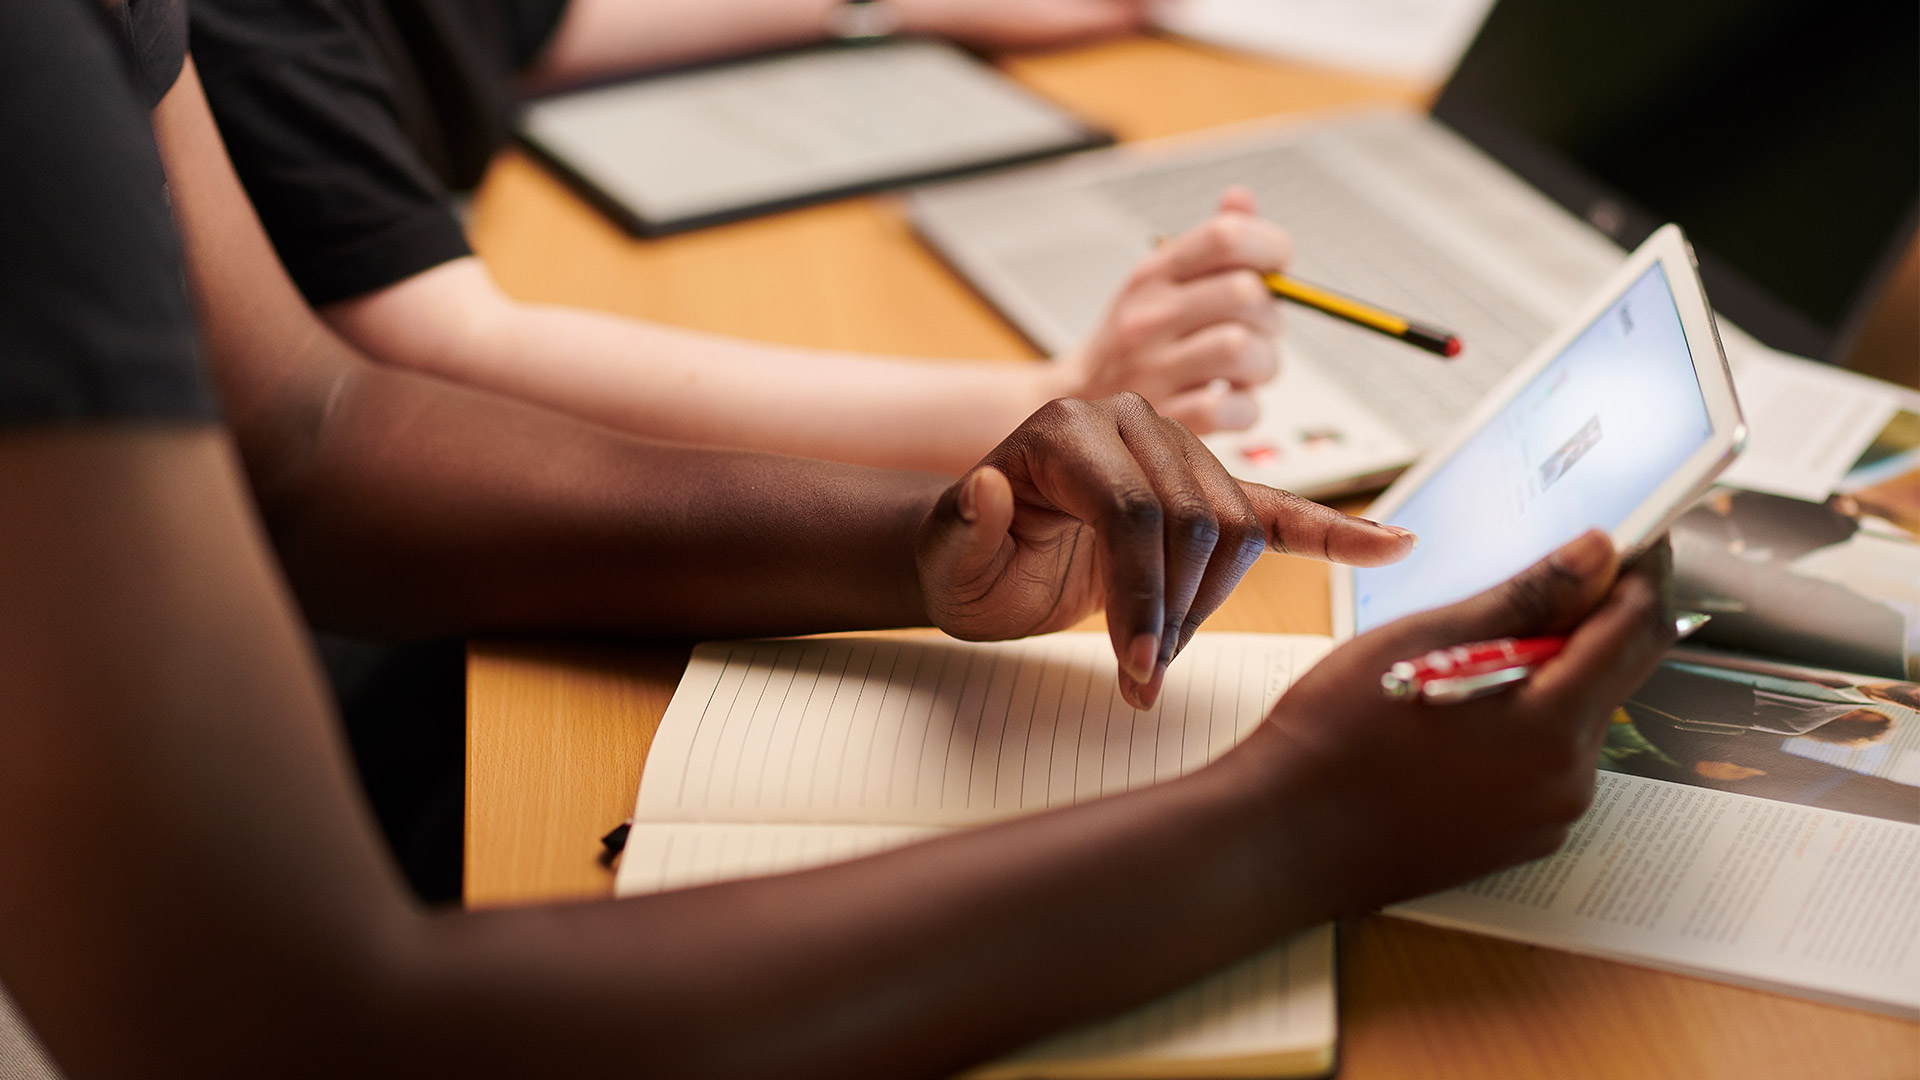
x,y
558,731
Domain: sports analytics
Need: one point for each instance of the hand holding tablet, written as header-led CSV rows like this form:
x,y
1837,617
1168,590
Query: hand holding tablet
x,y
1617,422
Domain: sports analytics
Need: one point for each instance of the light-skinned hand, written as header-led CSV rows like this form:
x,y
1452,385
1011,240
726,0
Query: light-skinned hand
x,y
1195,329
1021,24
1107,504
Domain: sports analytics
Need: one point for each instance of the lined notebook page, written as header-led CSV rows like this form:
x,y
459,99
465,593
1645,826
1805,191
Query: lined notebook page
x,y
659,857
1270,1014
931,731
785,755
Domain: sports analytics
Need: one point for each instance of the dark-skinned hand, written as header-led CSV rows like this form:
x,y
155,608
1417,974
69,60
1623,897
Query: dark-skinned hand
x,y
1387,800
1107,504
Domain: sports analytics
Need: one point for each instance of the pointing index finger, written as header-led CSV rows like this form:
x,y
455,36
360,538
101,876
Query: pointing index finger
x,y
1297,526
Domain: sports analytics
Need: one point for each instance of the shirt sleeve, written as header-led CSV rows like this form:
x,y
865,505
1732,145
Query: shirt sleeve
x,y
94,318
311,117
533,23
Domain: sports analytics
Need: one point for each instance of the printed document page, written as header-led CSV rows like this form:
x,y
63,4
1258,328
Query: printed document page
x,y
1807,422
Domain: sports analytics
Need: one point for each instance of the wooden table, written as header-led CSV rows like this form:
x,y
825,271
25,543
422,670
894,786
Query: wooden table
x,y
558,732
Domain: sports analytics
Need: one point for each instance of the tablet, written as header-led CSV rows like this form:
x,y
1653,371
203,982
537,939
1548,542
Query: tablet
x,y
703,145
1619,421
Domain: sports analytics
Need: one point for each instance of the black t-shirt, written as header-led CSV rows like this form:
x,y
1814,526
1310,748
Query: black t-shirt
x,y
94,318
95,326
350,121
155,33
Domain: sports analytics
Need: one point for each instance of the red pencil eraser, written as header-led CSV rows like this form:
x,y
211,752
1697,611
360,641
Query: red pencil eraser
x,y
1453,347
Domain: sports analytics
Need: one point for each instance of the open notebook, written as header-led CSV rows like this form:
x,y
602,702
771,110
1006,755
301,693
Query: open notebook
x,y
782,755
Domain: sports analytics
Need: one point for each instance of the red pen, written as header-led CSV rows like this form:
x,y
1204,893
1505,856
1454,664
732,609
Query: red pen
x,y
1465,672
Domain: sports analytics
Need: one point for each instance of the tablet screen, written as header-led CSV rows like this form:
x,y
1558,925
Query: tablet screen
x,y
1586,442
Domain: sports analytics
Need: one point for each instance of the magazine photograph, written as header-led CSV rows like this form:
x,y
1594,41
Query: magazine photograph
x,y
1834,582
1777,731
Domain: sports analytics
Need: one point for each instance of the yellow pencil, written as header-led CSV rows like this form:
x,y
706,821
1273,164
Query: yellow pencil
x,y
1353,311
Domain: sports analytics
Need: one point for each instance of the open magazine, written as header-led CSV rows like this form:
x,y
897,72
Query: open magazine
x,y
1753,822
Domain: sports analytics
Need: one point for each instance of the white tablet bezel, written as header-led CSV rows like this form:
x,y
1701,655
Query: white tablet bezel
x,y
1688,482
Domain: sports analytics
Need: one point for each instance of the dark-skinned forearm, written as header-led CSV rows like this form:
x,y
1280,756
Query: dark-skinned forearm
x,y
161,706
909,964
419,507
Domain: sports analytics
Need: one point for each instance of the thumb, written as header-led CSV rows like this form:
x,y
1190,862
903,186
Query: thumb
x,y
967,542
1217,406
1237,199
1297,526
1551,596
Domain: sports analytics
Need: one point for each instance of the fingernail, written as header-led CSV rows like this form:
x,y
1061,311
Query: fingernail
x,y
964,501
1141,695
1145,696
1585,555
1141,654
1404,534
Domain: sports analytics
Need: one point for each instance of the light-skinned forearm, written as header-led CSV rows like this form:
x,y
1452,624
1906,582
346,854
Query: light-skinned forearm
x,y
602,37
687,386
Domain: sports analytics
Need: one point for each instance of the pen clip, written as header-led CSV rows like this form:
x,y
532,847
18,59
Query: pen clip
x,y
1467,687
1402,682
